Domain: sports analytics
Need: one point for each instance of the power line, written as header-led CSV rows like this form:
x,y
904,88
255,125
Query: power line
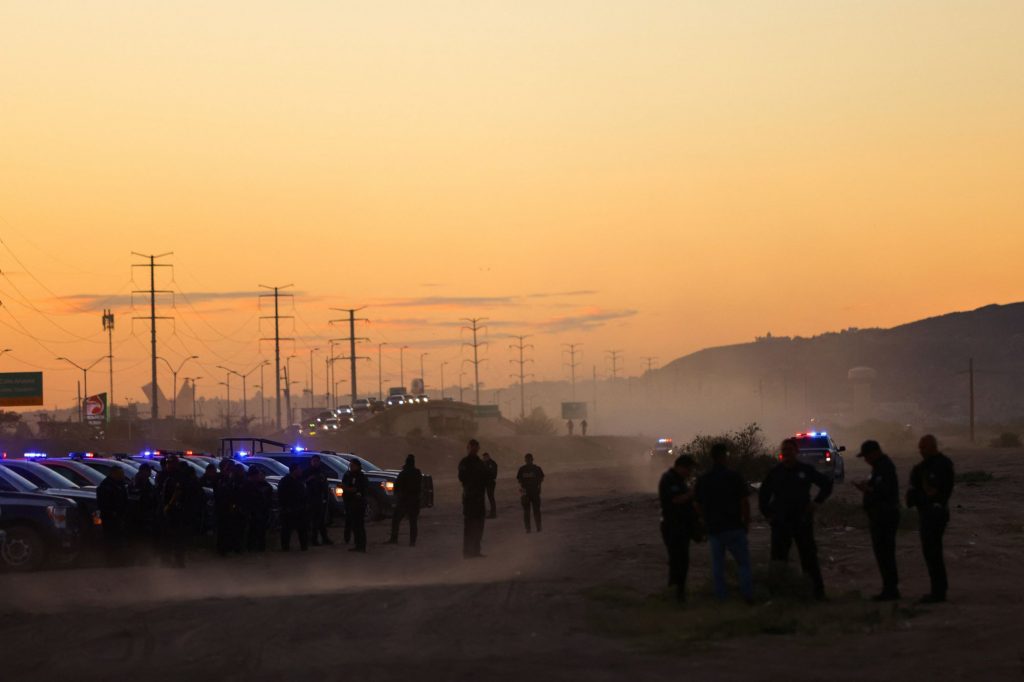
x,y
521,346
474,326
152,291
351,338
277,317
572,350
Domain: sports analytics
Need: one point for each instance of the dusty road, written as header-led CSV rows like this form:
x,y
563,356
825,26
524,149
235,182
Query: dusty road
x,y
582,600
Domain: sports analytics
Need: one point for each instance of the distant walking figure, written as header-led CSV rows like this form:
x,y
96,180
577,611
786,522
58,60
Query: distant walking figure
x,y
583,427
473,477
492,480
931,485
530,477
569,426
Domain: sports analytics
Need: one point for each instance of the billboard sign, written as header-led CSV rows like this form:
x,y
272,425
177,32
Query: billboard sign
x,y
574,410
96,409
21,389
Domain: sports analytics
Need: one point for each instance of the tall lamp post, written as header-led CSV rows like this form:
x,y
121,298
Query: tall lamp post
x,y
227,408
442,378
311,391
174,374
423,375
85,382
380,370
193,380
401,366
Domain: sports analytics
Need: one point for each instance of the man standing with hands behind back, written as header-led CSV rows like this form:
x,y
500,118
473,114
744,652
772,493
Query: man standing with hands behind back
x,y
473,477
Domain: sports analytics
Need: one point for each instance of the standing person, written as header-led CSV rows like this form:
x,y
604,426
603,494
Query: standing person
x,y
225,501
292,499
209,477
583,428
530,477
407,500
144,521
569,426
677,520
473,477
174,512
882,505
721,496
257,498
931,485
491,467
356,487
316,486
112,501
785,501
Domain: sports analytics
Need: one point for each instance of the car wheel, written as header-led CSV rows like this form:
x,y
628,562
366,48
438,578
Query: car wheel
x,y
24,550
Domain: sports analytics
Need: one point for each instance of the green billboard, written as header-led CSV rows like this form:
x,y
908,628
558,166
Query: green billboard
x,y
21,389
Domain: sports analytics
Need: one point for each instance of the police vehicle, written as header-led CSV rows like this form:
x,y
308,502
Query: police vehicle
x,y
663,454
819,450
36,528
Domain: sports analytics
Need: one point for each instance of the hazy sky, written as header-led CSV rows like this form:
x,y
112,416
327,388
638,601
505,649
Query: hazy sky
x,y
652,176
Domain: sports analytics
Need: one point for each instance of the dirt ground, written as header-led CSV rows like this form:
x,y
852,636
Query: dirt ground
x,y
585,599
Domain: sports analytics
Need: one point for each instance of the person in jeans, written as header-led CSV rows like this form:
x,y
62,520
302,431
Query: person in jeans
x,y
722,499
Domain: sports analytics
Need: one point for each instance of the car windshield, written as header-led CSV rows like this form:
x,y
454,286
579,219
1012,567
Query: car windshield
x,y
41,476
270,466
335,463
367,465
13,481
78,473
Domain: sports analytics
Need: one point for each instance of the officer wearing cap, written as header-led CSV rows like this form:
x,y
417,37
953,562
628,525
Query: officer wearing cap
x,y
882,505
931,485
785,500
678,518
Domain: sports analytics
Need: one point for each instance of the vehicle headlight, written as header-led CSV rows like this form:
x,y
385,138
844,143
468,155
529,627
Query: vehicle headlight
x,y
388,486
339,491
58,515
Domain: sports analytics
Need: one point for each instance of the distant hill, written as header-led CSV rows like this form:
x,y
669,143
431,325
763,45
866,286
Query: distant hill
x,y
920,366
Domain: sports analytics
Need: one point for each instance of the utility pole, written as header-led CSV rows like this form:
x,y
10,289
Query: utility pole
x,y
380,370
649,361
614,356
970,371
442,378
108,326
311,387
352,357
277,339
474,326
154,410
193,380
521,346
573,350
423,374
227,407
401,366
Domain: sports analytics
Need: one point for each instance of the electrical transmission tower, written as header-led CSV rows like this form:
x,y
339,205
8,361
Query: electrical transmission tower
x,y
474,326
154,410
521,346
614,356
573,350
649,361
351,338
277,339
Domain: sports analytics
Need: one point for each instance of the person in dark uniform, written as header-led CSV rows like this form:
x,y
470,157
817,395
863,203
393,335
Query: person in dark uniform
x,y
257,499
407,500
209,477
677,520
292,499
473,477
722,499
882,505
356,487
174,512
530,477
227,504
583,428
931,485
785,501
569,426
112,501
492,480
144,518
316,486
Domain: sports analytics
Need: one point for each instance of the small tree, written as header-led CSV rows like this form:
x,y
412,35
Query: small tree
x,y
537,423
748,450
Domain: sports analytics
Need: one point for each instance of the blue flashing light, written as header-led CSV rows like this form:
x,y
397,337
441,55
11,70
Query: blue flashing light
x,y
35,455
147,453
298,448
242,453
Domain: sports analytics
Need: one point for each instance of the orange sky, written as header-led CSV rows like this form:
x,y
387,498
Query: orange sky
x,y
652,177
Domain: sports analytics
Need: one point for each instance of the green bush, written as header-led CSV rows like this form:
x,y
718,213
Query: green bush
x,y
537,423
749,453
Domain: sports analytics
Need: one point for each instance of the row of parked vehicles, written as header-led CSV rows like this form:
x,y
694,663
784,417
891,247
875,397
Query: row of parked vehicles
x,y
341,417
48,508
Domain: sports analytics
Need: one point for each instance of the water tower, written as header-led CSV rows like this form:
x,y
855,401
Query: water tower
x,y
862,379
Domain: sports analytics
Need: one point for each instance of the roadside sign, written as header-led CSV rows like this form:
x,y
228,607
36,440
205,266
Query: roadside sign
x,y
18,389
96,409
574,410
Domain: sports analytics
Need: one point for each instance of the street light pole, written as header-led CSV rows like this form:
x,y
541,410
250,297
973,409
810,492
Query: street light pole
x,y
227,411
174,374
380,370
401,366
193,380
423,375
442,378
85,382
311,391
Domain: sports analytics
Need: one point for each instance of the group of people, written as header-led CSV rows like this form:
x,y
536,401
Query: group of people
x,y
171,510
478,476
718,505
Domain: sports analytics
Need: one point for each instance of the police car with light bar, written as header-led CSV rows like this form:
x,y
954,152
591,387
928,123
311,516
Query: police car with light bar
x,y
819,450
